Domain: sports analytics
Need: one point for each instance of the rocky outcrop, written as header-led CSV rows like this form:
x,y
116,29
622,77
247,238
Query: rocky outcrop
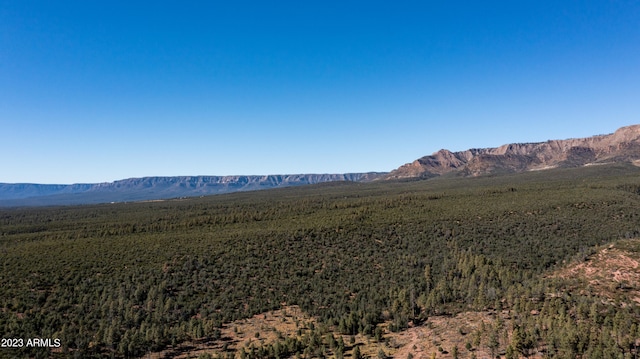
x,y
623,145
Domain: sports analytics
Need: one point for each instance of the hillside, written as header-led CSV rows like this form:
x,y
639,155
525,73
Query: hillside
x,y
621,146
367,261
612,272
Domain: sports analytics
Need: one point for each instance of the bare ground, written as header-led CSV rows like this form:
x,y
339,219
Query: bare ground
x,y
613,272
422,341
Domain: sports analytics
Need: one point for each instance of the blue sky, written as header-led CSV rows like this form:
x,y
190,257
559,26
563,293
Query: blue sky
x,y
98,91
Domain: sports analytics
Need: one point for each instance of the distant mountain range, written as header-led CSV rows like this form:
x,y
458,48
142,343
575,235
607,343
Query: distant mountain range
x,y
621,146
150,188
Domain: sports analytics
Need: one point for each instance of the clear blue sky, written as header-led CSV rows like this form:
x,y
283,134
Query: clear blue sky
x,y
95,91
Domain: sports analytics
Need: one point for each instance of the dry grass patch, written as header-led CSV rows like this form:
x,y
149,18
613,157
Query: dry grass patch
x,y
440,334
612,272
259,330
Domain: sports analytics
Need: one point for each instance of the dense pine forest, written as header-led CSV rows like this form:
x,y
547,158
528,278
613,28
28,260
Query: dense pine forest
x,y
127,279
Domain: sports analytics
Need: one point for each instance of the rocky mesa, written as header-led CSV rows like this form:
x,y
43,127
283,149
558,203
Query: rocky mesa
x,y
154,188
620,146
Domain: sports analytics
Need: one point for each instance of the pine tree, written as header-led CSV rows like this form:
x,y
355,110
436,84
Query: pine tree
x,y
356,353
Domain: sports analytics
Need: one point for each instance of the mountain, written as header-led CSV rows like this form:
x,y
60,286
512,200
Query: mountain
x,y
621,146
153,188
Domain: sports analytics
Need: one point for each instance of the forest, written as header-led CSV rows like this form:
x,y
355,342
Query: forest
x,y
128,279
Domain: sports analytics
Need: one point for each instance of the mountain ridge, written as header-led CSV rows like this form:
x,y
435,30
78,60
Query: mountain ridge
x,y
158,187
621,146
